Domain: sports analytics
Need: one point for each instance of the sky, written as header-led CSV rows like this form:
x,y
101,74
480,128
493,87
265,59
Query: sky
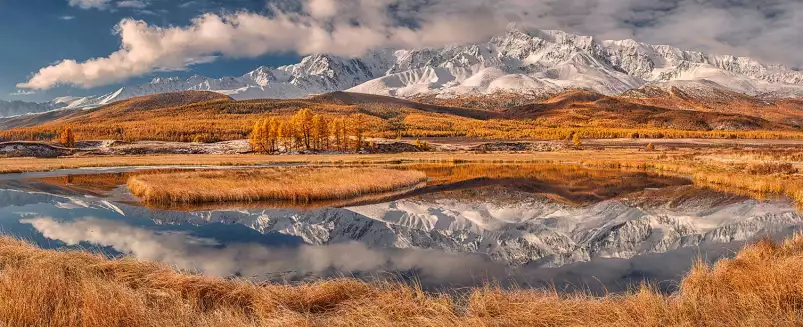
x,y
52,48
38,33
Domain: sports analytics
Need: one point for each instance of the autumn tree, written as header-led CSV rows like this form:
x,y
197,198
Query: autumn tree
x,y
421,145
338,132
577,141
396,125
258,137
284,136
273,134
67,138
358,129
304,125
320,132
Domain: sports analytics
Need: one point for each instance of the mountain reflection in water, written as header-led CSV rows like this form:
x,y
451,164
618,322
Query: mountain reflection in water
x,y
530,225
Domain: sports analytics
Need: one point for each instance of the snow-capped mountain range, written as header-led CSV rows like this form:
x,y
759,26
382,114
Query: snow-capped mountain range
x,y
532,63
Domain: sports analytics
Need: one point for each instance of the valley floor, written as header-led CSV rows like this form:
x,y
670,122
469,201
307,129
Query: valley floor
x,y
759,287
18,157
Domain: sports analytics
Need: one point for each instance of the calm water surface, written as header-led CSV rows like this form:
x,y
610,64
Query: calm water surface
x,y
532,225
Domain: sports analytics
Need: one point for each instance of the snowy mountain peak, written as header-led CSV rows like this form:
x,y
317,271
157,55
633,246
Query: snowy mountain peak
x,y
160,80
538,62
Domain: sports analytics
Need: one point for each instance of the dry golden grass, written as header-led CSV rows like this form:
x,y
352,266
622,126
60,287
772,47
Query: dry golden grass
x,y
759,287
767,168
294,184
748,178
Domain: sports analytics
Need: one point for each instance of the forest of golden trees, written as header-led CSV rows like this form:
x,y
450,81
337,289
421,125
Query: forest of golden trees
x,y
308,131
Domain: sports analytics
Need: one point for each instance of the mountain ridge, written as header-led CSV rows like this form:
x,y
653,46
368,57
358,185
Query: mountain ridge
x,y
538,63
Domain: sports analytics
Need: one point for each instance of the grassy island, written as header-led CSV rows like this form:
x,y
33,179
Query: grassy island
x,y
293,184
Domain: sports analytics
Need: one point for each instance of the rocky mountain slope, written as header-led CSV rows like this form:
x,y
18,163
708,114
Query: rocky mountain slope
x,y
534,63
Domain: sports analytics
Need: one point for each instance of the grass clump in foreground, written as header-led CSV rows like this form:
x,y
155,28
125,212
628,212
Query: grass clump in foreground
x,y
759,287
294,184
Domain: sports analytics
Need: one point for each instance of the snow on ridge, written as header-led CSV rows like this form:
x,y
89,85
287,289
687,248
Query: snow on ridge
x,y
536,62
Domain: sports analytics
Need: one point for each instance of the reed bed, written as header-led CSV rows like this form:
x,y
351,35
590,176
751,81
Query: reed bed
x,y
759,287
293,184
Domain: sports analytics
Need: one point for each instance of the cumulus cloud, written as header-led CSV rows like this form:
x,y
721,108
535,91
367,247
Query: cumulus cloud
x,y
765,29
358,26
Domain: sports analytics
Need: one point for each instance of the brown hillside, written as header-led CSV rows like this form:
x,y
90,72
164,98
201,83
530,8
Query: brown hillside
x,y
785,111
206,116
145,104
350,98
167,100
118,108
586,108
711,99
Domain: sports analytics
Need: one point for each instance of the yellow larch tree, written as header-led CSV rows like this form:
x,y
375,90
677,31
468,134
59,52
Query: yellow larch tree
x,y
320,132
257,137
273,134
67,138
303,124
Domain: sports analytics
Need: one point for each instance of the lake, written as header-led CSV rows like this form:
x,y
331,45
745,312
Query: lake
x,y
533,225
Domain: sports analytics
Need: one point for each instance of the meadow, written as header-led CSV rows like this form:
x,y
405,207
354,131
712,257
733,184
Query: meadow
x,y
760,286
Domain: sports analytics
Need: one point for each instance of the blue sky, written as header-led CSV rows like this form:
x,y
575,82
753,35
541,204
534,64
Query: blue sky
x,y
37,33
52,48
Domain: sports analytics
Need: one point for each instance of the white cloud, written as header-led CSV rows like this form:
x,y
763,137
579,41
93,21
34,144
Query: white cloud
x,y
67,17
766,29
22,93
136,4
322,8
146,48
89,4
253,260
